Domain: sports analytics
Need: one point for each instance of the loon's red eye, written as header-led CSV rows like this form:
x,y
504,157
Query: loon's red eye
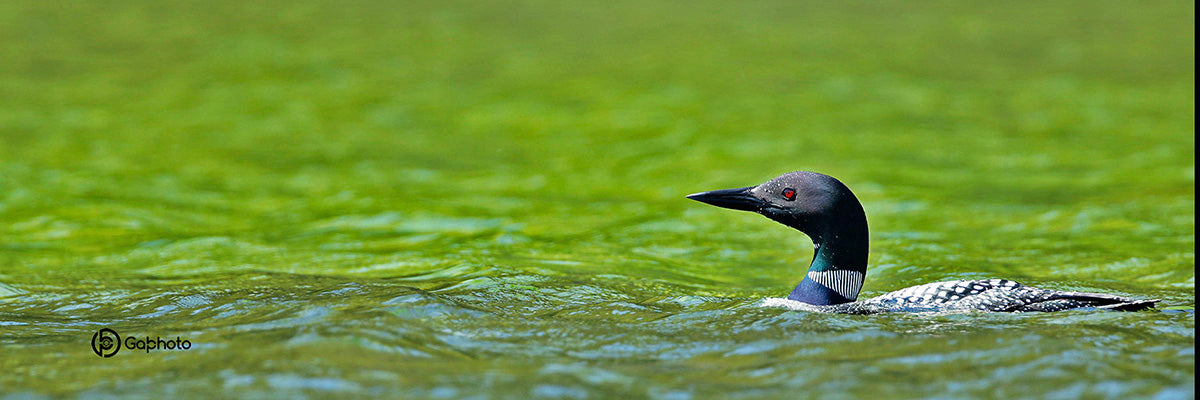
x,y
789,194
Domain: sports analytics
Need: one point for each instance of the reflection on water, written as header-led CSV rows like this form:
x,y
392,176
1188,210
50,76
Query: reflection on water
x,y
464,330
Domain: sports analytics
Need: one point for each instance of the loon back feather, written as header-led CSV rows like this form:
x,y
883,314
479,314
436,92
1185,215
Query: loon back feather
x,y
1105,301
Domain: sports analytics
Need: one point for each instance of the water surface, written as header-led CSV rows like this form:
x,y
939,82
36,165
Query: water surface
x,y
485,200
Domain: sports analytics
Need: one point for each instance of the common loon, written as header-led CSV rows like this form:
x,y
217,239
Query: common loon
x,y
824,209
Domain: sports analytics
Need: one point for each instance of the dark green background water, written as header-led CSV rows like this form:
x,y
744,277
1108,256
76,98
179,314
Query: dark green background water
x,y
485,199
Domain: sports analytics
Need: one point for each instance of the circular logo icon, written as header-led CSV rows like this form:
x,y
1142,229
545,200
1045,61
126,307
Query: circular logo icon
x,y
106,343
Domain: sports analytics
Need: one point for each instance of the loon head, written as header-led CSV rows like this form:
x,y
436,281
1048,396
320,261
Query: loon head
x,y
810,202
825,210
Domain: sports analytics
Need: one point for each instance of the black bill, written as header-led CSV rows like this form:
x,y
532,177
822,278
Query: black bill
x,y
737,199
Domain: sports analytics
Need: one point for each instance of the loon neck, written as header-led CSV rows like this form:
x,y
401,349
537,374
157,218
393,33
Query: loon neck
x,y
839,263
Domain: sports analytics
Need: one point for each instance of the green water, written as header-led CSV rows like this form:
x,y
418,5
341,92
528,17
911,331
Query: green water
x,y
485,199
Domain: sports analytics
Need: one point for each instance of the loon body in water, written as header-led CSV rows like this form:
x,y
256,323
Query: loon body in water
x,y
824,209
